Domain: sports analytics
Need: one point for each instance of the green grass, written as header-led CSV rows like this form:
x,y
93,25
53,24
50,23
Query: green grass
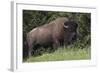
x,y
63,54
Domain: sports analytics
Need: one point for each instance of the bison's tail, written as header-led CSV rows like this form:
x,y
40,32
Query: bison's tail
x,y
25,46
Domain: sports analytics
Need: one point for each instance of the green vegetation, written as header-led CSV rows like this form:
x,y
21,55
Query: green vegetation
x,y
63,54
79,50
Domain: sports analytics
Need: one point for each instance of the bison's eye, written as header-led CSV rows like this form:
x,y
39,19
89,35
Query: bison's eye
x,y
70,26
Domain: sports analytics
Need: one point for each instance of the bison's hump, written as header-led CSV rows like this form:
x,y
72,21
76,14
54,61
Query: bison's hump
x,y
62,19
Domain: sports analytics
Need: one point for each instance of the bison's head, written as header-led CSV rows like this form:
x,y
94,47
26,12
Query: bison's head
x,y
70,31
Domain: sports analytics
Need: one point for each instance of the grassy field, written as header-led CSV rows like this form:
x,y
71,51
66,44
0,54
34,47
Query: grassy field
x,y
63,54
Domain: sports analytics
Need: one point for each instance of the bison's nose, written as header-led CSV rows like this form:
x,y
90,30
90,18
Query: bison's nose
x,y
74,37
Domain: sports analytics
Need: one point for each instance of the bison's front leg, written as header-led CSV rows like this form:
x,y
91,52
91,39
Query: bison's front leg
x,y
56,44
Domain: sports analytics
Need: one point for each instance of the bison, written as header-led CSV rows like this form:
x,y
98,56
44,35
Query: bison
x,y
58,32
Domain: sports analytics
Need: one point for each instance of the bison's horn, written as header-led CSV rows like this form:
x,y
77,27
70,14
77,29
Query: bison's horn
x,y
66,26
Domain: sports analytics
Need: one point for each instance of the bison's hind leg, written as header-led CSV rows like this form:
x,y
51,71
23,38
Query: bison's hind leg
x,y
30,46
30,50
37,50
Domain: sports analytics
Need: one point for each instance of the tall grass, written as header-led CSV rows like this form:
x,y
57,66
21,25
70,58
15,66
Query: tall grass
x,y
69,53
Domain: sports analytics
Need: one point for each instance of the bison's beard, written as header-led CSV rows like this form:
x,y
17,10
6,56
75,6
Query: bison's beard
x,y
70,38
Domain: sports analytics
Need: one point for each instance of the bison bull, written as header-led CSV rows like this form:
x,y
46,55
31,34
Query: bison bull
x,y
60,31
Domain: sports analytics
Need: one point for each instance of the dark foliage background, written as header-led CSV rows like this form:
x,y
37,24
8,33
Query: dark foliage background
x,y
32,19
